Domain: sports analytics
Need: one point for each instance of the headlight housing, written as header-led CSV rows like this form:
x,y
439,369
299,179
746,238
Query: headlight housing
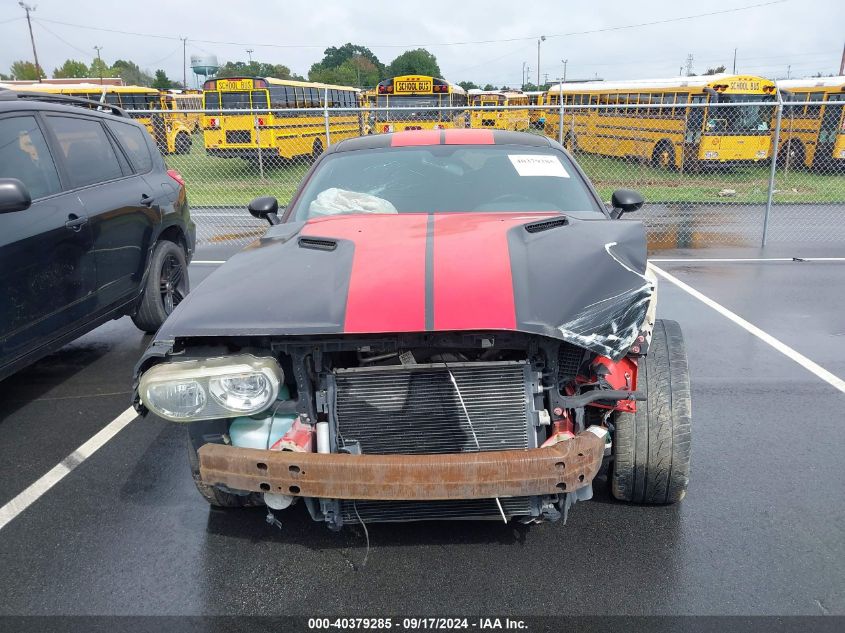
x,y
211,388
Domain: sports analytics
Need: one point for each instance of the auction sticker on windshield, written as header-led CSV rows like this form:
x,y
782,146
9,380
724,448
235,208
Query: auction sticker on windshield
x,y
538,165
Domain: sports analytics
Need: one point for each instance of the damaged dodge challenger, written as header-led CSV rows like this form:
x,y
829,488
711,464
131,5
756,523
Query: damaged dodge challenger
x,y
442,324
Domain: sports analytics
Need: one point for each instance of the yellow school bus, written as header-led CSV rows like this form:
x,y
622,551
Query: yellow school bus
x,y
427,95
282,118
537,116
493,115
813,124
677,122
172,136
180,103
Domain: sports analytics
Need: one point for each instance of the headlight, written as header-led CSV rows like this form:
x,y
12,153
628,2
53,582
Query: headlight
x,y
211,388
711,154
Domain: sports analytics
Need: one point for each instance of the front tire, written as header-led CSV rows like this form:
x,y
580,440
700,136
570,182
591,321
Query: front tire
x,y
166,286
651,447
214,496
182,143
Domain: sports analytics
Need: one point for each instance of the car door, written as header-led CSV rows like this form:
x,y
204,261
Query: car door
x,y
47,269
119,203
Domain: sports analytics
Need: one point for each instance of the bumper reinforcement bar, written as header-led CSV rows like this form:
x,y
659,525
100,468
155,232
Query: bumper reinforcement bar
x,y
563,467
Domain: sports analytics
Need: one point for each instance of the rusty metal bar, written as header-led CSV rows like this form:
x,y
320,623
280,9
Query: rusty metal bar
x,y
563,467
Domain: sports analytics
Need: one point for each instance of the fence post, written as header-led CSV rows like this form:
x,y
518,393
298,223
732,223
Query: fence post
x,y
772,170
560,121
326,118
258,141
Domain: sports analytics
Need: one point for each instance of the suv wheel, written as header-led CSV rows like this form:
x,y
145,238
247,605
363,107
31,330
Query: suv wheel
x,y
167,285
651,447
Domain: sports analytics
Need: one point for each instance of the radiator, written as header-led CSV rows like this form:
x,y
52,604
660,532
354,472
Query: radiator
x,y
415,409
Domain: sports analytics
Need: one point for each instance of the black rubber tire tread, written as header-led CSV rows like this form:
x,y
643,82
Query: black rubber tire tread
x,y
182,143
652,446
216,497
151,313
657,155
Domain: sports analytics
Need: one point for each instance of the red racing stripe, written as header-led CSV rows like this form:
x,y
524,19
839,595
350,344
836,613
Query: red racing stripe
x,y
473,288
415,137
387,281
469,137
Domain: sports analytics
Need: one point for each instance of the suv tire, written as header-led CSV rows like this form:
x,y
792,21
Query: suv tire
x,y
166,286
651,447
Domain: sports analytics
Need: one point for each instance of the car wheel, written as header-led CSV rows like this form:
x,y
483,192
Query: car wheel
x,y
183,143
215,496
651,447
167,285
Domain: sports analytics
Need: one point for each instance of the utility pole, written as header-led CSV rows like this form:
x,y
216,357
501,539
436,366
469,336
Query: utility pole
x,y
565,62
28,10
842,63
523,74
100,65
788,70
539,41
689,64
184,64
249,52
734,71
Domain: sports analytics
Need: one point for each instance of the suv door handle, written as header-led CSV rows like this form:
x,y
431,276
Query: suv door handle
x,y
75,222
146,200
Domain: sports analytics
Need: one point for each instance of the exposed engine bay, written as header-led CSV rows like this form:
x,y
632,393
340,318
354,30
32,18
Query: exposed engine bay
x,y
427,396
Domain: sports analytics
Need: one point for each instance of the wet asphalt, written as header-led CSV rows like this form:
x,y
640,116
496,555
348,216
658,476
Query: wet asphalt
x,y
762,530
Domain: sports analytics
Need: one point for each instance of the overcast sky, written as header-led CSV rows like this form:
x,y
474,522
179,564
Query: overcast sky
x,y
806,34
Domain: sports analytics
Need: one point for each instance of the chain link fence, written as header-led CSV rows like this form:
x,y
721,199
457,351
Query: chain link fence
x,y
739,174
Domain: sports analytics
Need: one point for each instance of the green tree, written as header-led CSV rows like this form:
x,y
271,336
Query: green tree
x,y
4,77
416,62
71,69
161,81
356,71
350,64
256,69
99,68
131,74
715,71
26,70
488,87
468,85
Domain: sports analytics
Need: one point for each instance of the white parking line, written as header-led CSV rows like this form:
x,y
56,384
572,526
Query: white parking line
x,y
780,346
209,261
747,259
29,496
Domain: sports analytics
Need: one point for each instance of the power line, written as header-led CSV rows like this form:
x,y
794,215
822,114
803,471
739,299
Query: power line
x,y
436,44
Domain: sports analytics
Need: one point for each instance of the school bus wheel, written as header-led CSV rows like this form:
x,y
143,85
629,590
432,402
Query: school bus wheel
x,y
663,155
318,149
183,143
569,143
791,153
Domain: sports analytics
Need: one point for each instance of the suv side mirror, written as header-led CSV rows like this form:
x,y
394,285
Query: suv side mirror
x,y
14,196
625,201
265,208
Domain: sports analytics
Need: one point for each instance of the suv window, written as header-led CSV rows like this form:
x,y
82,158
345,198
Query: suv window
x,y
89,155
132,140
24,155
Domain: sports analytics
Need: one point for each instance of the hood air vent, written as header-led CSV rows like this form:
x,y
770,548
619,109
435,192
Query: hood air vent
x,y
317,243
545,225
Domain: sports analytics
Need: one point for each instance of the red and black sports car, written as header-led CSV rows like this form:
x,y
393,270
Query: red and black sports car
x,y
441,324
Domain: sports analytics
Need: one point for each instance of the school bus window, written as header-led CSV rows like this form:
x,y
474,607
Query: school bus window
x,y
212,101
259,99
814,106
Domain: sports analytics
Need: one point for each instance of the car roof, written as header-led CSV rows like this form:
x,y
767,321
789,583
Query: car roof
x,y
18,101
458,136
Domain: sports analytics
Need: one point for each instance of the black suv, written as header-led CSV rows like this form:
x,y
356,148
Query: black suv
x,y
93,226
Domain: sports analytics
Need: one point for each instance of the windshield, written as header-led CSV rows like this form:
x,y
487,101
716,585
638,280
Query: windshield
x,y
424,102
442,178
743,119
235,100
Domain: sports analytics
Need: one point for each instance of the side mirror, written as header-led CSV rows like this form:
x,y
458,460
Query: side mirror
x,y
265,208
625,201
14,196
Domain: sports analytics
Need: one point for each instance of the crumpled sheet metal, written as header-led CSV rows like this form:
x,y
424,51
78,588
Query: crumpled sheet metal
x,y
563,467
